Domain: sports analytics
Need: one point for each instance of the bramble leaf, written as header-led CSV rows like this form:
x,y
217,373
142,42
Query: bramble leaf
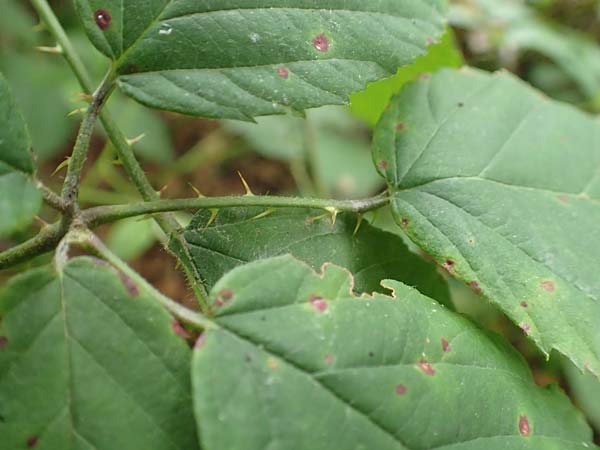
x,y
503,186
235,238
88,361
244,58
297,362
20,201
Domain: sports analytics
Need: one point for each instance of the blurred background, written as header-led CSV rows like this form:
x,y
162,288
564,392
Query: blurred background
x,y
552,44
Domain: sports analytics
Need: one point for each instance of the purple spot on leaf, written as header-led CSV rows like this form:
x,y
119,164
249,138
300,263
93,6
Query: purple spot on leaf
x,y
102,18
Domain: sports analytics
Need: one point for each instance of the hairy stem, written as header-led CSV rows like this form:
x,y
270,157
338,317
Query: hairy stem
x,y
132,167
82,144
50,197
45,241
105,214
175,308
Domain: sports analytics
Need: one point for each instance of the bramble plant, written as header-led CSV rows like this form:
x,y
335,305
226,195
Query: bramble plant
x,y
314,328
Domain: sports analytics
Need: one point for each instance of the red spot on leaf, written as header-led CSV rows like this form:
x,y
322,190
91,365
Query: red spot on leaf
x,y
130,286
318,303
426,367
524,427
383,164
32,441
200,341
3,342
448,265
102,18
563,199
180,331
430,41
525,327
321,43
400,126
223,297
445,345
329,360
404,223
548,286
400,389
475,286
283,72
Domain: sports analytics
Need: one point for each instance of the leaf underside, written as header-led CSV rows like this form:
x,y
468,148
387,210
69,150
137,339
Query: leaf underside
x,y
298,362
244,58
235,237
88,362
503,186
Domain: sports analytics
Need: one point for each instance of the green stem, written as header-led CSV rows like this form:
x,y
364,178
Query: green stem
x,y
133,169
45,241
82,144
50,197
175,308
105,214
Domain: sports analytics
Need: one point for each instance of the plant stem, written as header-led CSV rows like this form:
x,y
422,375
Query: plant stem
x,y
175,308
80,150
46,240
133,169
50,197
105,214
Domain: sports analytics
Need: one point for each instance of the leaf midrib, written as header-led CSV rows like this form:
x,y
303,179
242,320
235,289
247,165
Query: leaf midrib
x,y
572,195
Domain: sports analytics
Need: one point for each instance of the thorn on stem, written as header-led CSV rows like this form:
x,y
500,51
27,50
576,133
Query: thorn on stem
x,y
213,216
56,50
61,166
249,192
263,214
358,224
136,139
333,212
77,111
196,190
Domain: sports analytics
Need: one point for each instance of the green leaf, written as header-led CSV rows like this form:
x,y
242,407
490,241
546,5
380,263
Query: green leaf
x,y
584,388
502,185
42,87
243,58
87,360
20,200
299,363
14,138
235,238
371,103
131,238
